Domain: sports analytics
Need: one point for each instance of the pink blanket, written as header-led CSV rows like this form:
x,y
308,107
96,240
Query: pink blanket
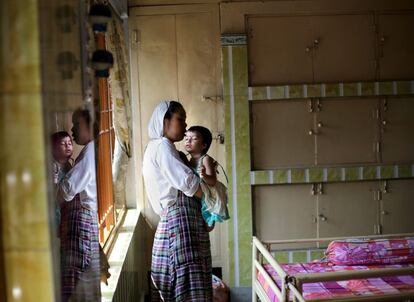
x,y
335,289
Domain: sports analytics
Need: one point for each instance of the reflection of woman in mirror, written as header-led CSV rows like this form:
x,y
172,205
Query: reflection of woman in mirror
x,y
79,223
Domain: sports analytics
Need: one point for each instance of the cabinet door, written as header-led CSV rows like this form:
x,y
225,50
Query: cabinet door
x,y
280,134
344,48
284,212
347,209
396,40
347,132
397,130
278,50
397,207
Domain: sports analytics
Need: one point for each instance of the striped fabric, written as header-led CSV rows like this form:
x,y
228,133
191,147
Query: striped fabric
x,y
80,274
340,289
374,251
181,257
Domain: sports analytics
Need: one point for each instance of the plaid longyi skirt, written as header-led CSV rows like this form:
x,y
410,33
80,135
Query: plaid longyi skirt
x,y
181,256
80,271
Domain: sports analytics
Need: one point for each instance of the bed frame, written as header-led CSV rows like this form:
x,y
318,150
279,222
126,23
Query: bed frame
x,y
294,284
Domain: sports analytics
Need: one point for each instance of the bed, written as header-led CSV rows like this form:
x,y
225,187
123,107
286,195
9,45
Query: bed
x,y
377,268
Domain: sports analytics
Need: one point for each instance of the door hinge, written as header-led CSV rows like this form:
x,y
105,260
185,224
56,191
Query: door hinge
x,y
377,229
377,195
377,147
320,188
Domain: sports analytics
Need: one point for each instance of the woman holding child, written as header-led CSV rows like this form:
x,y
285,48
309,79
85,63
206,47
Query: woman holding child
x,y
181,257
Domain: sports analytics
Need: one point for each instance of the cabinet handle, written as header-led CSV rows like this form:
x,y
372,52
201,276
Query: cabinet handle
x,y
322,217
384,122
307,49
383,212
311,106
311,132
318,105
313,190
320,124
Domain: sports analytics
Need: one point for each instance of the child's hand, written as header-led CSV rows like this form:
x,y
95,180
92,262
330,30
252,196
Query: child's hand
x,y
202,171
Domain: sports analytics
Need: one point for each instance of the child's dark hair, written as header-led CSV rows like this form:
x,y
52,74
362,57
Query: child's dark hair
x,y
205,134
173,107
58,136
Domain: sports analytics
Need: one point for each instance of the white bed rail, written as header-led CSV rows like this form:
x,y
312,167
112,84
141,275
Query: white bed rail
x,y
257,290
294,283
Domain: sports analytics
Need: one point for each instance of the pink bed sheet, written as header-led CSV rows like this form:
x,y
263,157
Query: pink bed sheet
x,y
336,289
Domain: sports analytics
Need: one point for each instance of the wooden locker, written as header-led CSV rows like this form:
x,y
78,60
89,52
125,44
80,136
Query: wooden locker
x,y
280,134
396,46
347,131
397,206
279,50
284,212
397,124
344,48
347,209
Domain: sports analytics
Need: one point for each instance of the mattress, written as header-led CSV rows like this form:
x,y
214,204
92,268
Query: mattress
x,y
336,289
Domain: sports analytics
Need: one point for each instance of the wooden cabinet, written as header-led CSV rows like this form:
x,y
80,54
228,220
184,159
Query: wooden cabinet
x,y
344,48
306,49
280,50
397,206
330,48
396,46
397,124
347,209
288,134
347,130
293,211
284,212
337,209
280,134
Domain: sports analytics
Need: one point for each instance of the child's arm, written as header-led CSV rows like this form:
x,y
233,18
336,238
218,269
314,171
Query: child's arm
x,y
209,173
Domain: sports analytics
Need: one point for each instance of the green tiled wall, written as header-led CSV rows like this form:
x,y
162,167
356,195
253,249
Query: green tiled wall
x,y
331,90
235,82
331,174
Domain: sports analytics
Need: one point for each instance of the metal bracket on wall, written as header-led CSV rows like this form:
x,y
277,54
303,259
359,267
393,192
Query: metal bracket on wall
x,y
214,99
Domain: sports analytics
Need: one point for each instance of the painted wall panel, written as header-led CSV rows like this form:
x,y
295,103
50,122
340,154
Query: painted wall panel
x,y
157,66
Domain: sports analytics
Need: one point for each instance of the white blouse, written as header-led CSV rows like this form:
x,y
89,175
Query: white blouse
x,y
165,174
82,178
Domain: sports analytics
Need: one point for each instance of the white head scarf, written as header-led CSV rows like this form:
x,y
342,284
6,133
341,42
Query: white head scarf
x,y
156,122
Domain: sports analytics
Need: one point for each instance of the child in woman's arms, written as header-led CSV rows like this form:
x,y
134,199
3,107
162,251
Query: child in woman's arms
x,y
214,203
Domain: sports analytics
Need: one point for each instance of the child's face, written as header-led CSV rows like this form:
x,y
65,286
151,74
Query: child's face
x,y
194,143
63,149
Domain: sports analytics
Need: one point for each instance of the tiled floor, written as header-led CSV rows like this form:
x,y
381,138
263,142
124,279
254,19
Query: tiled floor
x,y
240,294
